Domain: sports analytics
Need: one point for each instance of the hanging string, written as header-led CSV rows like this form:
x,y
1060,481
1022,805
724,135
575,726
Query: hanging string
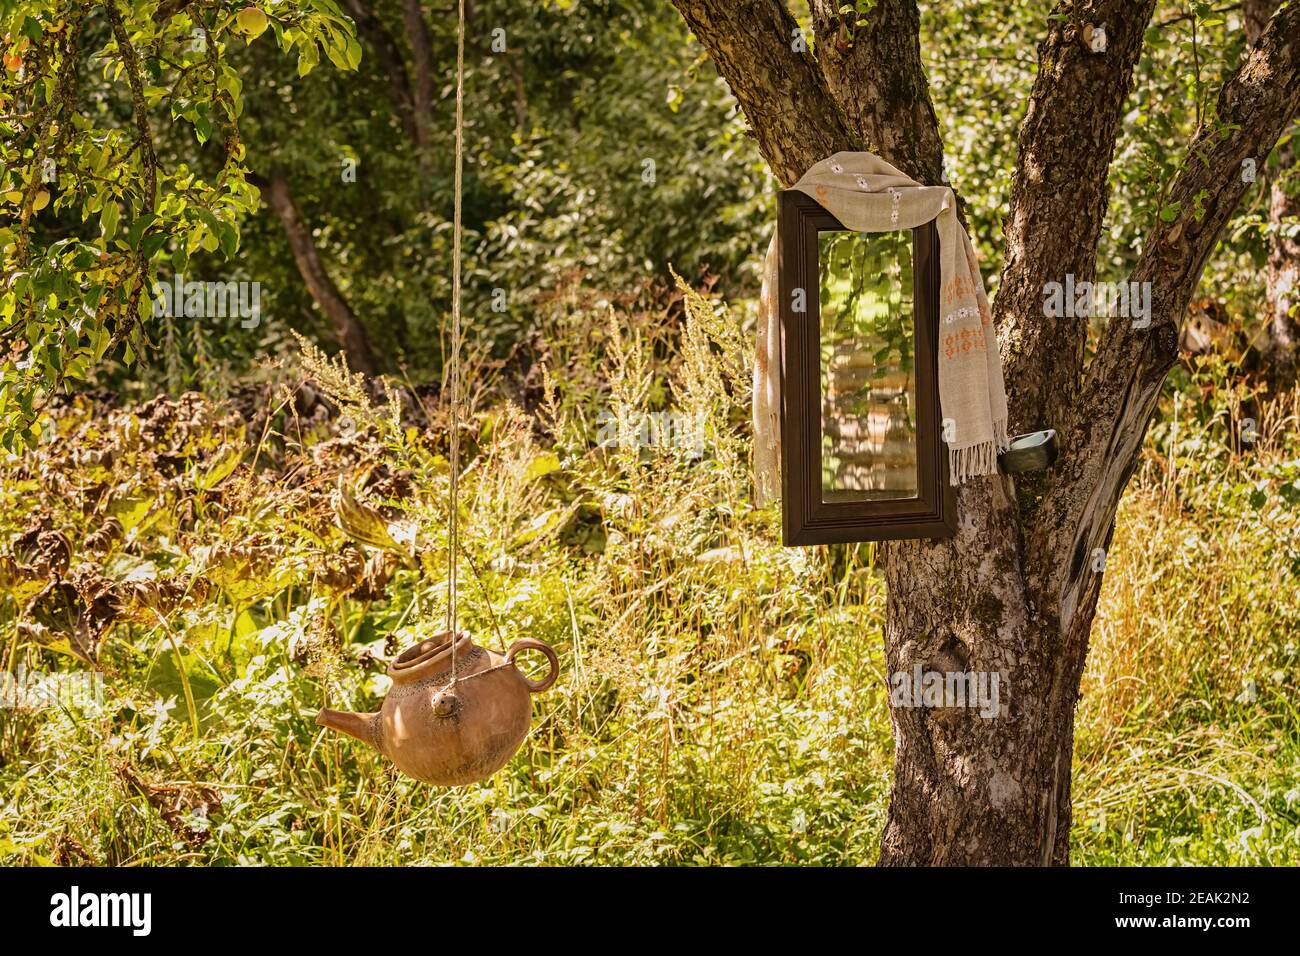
x,y
453,508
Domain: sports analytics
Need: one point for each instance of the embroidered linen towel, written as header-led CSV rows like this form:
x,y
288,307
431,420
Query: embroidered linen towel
x,y
867,194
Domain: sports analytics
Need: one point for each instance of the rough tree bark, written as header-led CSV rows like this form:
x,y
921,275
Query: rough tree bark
x,y
1015,590
873,69
1282,286
348,330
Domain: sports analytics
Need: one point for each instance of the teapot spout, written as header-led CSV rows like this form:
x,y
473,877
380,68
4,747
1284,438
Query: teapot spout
x,y
364,727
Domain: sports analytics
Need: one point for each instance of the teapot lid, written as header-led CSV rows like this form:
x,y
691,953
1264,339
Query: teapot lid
x,y
430,656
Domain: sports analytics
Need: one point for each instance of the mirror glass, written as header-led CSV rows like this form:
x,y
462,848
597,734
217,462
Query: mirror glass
x,y
868,389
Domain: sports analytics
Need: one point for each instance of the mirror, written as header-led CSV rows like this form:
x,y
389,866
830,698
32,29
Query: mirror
x,y
862,453
867,380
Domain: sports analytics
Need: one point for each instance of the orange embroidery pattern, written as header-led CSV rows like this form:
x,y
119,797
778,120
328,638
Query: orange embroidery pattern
x,y
958,287
962,342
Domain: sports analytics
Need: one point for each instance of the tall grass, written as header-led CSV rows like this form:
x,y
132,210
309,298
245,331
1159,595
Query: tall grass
x,y
721,699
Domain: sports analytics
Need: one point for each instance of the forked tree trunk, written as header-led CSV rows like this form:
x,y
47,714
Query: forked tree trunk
x,y
1015,590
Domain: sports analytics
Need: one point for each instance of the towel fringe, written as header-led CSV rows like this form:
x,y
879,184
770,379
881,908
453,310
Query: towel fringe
x,y
973,461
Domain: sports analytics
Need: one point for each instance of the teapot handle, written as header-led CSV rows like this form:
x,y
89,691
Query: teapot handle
x,y
531,644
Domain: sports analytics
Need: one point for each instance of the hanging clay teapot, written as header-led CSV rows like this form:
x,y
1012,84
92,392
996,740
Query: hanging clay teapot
x,y
447,733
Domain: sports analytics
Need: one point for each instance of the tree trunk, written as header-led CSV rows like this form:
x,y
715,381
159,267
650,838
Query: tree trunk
x,y
969,789
1282,355
1282,286
389,55
873,68
348,330
417,34
1014,592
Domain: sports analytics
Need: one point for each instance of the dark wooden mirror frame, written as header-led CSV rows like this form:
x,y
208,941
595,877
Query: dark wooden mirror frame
x,y
806,518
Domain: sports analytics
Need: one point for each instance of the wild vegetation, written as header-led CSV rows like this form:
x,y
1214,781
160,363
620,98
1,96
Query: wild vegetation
x,y
229,527
723,698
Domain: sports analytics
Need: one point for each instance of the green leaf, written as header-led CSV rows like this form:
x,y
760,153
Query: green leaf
x,y
229,238
338,56
99,339
152,243
137,228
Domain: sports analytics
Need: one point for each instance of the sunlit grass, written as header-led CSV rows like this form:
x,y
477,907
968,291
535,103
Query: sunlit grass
x,y
721,698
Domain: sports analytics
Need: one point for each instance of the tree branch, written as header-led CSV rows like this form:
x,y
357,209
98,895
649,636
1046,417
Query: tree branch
x,y
148,157
169,8
1190,15
417,32
1102,439
1059,196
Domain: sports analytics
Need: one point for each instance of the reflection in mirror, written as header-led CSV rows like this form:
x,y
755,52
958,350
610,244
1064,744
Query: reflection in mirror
x,y
868,389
